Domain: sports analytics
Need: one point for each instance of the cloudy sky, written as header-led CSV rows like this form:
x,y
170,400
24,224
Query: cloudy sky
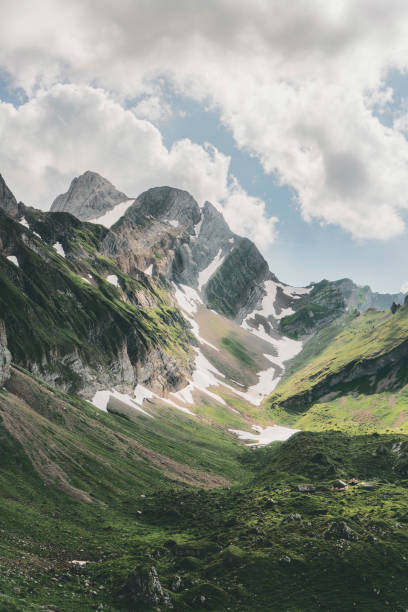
x,y
291,116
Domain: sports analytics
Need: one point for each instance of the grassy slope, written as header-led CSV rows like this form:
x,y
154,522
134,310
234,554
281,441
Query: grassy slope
x,y
239,548
365,338
49,310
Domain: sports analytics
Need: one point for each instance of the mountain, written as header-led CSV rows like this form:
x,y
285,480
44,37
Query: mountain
x,y
350,375
148,359
8,202
88,197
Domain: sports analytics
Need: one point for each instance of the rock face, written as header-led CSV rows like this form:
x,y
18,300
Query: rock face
x,y
165,233
88,197
7,201
5,356
143,587
328,300
236,286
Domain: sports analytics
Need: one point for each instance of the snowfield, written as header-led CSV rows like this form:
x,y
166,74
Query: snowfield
x,y
112,216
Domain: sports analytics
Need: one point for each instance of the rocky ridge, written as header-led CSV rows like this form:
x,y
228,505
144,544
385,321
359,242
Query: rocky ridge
x,y
88,197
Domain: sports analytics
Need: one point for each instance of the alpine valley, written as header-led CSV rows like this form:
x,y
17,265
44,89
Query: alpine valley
x,y
180,429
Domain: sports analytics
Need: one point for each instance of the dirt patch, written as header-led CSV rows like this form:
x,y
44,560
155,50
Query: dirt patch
x,y
401,418
364,417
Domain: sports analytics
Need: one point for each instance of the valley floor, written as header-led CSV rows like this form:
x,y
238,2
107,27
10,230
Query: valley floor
x,y
182,516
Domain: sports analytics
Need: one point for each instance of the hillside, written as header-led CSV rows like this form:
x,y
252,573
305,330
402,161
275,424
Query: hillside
x,y
142,467
355,367
163,513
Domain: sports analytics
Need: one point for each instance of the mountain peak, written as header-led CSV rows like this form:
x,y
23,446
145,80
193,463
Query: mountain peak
x,y
89,196
167,203
7,200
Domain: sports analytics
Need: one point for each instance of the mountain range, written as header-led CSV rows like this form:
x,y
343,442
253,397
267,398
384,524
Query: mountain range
x,y
155,374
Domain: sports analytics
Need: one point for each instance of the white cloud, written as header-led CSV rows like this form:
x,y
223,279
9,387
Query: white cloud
x,y
152,108
404,287
296,83
68,129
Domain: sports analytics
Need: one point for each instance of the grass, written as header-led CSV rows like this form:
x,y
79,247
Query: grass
x,y
237,349
238,548
54,318
359,358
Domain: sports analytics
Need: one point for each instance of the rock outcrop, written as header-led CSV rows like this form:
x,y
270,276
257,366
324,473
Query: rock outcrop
x,y
7,200
5,356
88,197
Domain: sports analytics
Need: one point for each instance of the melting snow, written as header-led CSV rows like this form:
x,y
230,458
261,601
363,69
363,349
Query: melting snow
x,y
142,393
149,270
210,270
13,260
205,375
110,218
113,280
86,280
265,436
59,248
174,223
24,222
101,400
188,300
80,563
295,292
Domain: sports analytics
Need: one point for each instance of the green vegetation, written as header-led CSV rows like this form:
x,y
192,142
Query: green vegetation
x,y
160,506
237,349
320,307
367,354
51,313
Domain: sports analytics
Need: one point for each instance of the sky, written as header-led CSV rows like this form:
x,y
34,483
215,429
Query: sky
x,y
291,117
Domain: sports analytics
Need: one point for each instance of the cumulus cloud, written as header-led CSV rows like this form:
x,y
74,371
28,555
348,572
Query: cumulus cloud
x,y
296,83
152,108
67,129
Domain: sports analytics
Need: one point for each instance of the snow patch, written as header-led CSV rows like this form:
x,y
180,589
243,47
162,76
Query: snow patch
x,y
112,216
205,375
197,228
13,260
265,436
24,222
59,248
205,275
113,280
86,280
295,292
188,300
101,401
173,223
149,270
80,563
142,393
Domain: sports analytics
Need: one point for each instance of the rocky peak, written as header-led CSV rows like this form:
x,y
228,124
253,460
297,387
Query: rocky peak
x,y
88,197
7,200
167,204
213,225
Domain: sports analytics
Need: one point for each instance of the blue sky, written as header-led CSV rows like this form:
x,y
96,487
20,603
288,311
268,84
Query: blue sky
x,y
303,251
318,91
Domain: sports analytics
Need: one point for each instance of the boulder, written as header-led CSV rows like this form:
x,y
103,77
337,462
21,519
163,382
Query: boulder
x,y
142,586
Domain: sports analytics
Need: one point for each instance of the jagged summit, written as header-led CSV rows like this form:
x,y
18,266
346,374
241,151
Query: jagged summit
x,y
7,200
89,196
166,204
